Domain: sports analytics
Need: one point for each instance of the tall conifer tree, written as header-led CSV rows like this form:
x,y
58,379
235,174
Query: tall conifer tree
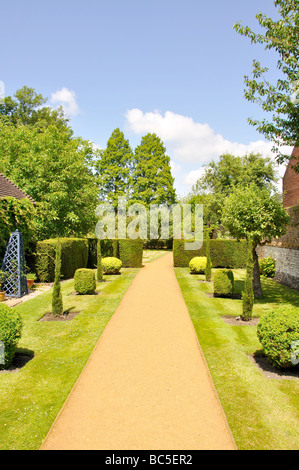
x,y
114,169
152,178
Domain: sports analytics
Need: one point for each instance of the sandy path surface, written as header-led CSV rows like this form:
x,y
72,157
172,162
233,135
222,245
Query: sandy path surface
x,y
146,385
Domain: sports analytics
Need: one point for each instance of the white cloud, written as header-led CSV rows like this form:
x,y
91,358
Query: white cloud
x,y
190,178
189,141
67,99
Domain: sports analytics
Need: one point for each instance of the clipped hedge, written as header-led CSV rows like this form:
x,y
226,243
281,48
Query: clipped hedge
x,y
111,265
198,265
74,255
84,281
277,332
223,283
10,333
224,253
131,252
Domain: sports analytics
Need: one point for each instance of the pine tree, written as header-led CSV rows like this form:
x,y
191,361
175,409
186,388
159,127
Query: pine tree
x,y
152,178
114,169
247,294
99,262
57,303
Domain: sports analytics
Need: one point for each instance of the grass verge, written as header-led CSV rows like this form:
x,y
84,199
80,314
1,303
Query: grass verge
x,y
263,413
32,396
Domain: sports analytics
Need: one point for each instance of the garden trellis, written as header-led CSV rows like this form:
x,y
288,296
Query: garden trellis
x,y
14,266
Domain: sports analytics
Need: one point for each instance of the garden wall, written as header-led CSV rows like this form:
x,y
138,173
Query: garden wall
x,y
285,251
224,253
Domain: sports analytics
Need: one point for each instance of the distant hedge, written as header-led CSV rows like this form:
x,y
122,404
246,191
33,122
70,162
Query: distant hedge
x,y
74,255
130,252
224,253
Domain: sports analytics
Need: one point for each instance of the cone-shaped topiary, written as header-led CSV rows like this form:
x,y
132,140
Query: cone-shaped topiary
x,y
57,303
99,262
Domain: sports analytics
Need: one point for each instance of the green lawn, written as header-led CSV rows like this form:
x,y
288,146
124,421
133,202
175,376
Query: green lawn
x,y
152,255
263,413
32,396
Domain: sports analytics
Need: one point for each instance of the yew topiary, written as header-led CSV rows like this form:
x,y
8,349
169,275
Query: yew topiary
x,y
84,281
278,333
10,333
111,265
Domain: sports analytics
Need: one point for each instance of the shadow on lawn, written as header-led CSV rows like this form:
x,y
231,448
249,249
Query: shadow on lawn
x,y
273,292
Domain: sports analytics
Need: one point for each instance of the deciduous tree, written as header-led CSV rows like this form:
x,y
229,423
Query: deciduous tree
x,y
254,213
279,98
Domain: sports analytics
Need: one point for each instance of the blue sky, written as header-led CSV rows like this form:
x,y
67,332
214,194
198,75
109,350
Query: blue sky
x,y
166,66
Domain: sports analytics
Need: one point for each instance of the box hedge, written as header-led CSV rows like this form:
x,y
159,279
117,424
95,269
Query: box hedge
x,y
198,265
111,265
74,255
129,251
278,333
224,253
223,283
84,281
10,332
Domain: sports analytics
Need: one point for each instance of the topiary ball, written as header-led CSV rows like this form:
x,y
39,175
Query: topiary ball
x,y
84,281
198,265
10,333
111,265
277,331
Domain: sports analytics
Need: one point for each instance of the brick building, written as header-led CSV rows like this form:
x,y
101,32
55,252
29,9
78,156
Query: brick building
x,y
291,182
285,250
9,189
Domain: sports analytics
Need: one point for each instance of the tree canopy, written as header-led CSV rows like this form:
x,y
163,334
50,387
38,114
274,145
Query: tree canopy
x,y
253,213
114,169
40,154
152,178
280,98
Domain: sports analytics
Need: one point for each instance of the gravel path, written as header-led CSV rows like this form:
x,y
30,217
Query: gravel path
x,y
146,385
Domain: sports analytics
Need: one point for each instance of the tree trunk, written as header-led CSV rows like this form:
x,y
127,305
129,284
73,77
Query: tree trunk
x,y
257,287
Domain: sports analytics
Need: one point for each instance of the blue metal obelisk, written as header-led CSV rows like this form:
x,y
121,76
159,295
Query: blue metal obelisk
x,y
14,266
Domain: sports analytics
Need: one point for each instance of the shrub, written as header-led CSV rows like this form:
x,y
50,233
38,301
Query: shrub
x,y
224,253
111,265
131,252
267,266
198,265
223,283
85,281
10,332
276,331
74,255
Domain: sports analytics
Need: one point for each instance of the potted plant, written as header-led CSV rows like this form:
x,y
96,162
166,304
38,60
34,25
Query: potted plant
x,y
2,279
31,277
